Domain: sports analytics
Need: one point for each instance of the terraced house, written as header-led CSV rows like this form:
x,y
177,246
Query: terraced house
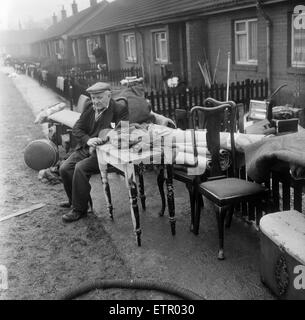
x,y
171,37
55,44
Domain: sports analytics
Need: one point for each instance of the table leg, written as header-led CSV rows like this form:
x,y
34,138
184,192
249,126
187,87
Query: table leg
x,y
131,183
171,198
141,185
160,181
104,175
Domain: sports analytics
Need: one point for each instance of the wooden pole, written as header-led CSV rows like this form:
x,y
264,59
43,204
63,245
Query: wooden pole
x,y
23,211
228,76
216,67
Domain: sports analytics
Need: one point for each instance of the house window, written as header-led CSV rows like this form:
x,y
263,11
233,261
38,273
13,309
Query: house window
x,y
246,42
297,46
160,47
92,43
59,49
130,48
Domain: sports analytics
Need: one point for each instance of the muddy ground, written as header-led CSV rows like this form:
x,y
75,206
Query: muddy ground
x,y
45,257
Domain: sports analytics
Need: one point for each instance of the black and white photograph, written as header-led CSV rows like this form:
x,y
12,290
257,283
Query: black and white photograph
x,y
152,153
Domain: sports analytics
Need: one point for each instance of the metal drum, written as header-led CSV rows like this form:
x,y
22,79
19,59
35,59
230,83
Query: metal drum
x,y
41,154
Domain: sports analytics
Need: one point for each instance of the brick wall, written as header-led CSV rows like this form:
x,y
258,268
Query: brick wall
x,y
220,36
282,71
175,48
112,47
196,43
82,51
153,69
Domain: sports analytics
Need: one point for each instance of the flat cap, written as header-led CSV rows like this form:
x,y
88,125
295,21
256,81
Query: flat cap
x,y
99,87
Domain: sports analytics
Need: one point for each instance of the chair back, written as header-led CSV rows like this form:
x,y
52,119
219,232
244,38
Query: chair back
x,y
82,104
216,118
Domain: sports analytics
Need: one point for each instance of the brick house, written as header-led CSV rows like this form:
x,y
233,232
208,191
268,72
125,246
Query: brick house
x,y
55,44
170,37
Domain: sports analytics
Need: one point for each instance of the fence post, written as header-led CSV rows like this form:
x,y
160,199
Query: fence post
x,y
238,92
169,102
247,92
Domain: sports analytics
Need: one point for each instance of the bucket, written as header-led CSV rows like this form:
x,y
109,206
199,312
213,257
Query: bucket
x,y
41,154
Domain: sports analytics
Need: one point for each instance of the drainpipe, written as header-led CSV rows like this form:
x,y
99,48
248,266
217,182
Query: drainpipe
x,y
268,35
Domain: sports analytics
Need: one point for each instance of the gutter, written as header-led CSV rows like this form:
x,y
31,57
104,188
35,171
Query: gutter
x,y
268,35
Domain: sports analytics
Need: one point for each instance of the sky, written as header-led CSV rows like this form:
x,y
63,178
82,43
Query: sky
x,y
13,11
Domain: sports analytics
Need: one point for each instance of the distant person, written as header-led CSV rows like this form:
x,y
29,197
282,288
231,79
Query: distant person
x,y
78,168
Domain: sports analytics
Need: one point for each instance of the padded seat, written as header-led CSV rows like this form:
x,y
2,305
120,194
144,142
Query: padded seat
x,y
181,174
224,191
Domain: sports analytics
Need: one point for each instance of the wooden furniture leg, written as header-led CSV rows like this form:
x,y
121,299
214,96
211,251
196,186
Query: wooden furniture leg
x,y
141,185
220,216
106,187
171,198
130,179
160,181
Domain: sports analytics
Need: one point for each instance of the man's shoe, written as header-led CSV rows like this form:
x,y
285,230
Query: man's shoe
x,y
72,216
65,204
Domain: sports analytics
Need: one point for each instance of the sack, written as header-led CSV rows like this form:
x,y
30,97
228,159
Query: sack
x,y
139,108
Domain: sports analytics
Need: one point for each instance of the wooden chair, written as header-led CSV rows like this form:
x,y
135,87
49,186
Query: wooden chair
x,y
224,192
180,172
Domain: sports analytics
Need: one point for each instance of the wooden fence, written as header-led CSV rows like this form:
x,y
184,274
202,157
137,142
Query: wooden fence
x,y
166,102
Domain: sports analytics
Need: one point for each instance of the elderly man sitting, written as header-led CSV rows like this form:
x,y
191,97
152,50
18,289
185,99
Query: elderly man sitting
x,y
78,168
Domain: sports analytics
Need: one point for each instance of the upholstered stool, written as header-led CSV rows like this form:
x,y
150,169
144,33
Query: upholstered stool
x,y
282,261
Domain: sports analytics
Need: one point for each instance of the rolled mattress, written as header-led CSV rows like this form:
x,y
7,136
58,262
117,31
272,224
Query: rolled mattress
x,y
41,154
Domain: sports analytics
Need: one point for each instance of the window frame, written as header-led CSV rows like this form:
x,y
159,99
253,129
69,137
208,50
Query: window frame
x,y
127,45
59,48
93,41
250,62
159,60
293,63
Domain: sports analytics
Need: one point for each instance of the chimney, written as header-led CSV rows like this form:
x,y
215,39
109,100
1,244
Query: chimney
x,y
74,8
93,3
54,18
63,13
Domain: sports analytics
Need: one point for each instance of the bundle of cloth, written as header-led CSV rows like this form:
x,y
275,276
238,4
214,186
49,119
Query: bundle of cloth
x,y
51,175
261,156
176,145
44,114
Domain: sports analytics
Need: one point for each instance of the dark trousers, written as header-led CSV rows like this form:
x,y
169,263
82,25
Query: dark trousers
x,y
76,172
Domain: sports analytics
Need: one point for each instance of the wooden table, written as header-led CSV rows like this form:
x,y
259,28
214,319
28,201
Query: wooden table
x,y
127,161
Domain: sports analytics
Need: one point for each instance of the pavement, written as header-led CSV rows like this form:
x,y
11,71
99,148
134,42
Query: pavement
x,y
185,259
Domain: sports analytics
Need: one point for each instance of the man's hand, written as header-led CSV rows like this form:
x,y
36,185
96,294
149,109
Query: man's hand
x,y
94,142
